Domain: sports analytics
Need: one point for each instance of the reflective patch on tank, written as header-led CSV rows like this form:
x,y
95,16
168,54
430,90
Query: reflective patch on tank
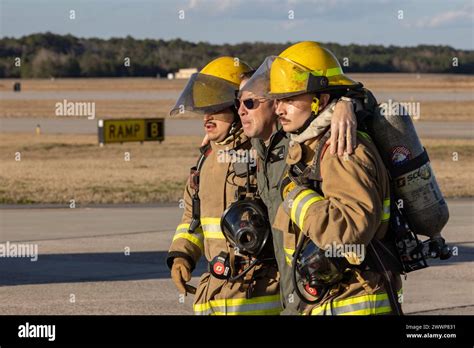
x,y
419,188
400,155
421,174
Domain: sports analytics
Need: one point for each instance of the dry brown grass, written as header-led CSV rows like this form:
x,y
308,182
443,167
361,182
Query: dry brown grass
x,y
103,108
455,177
447,111
409,82
58,168
93,84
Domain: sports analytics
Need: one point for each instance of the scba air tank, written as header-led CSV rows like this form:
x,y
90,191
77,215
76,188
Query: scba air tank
x,y
414,182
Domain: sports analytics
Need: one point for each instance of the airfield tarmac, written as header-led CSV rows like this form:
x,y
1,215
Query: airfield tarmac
x,y
83,257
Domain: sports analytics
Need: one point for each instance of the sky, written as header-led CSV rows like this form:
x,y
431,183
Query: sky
x,y
386,22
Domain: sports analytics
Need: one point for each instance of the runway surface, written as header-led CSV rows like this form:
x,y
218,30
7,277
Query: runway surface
x,y
111,260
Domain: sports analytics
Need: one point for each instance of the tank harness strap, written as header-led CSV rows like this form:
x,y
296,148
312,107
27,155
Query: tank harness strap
x,y
310,176
315,171
194,184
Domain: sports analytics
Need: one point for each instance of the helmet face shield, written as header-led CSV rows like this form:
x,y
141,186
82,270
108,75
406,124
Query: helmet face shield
x,y
279,78
288,78
246,227
259,83
205,94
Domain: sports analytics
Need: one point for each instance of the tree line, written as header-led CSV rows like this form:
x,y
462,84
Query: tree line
x,y
46,55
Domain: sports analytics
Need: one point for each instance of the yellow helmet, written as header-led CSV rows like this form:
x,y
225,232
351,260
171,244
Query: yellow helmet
x,y
227,68
213,88
301,68
293,72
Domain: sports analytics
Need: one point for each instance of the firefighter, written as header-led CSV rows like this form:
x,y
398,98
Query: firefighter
x,y
260,122
335,210
213,186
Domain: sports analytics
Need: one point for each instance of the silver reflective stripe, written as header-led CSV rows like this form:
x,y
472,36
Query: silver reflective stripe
x,y
300,206
212,228
360,305
197,238
242,309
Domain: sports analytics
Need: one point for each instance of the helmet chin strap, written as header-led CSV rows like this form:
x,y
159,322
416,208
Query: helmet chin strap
x,y
235,126
314,114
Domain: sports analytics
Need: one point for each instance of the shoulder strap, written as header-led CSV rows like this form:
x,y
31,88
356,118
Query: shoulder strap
x,y
315,168
195,171
205,151
310,175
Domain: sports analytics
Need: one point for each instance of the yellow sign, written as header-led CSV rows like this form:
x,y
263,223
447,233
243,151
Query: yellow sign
x,y
125,130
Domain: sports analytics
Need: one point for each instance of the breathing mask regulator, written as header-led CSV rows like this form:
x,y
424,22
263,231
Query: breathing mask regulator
x,y
246,226
315,272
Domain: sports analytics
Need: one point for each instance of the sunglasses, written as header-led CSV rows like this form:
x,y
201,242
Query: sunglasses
x,y
248,103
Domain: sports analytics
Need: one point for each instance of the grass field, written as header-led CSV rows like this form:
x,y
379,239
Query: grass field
x,y
58,168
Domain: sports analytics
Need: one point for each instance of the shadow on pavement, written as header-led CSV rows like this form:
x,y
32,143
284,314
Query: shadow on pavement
x,y
87,267
96,267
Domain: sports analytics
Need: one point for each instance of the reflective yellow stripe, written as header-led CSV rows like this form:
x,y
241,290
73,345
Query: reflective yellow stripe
x,y
364,135
241,306
214,235
301,204
185,227
212,228
289,255
289,251
305,208
386,210
211,221
297,200
370,311
358,305
182,228
191,237
241,301
275,311
359,299
329,72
